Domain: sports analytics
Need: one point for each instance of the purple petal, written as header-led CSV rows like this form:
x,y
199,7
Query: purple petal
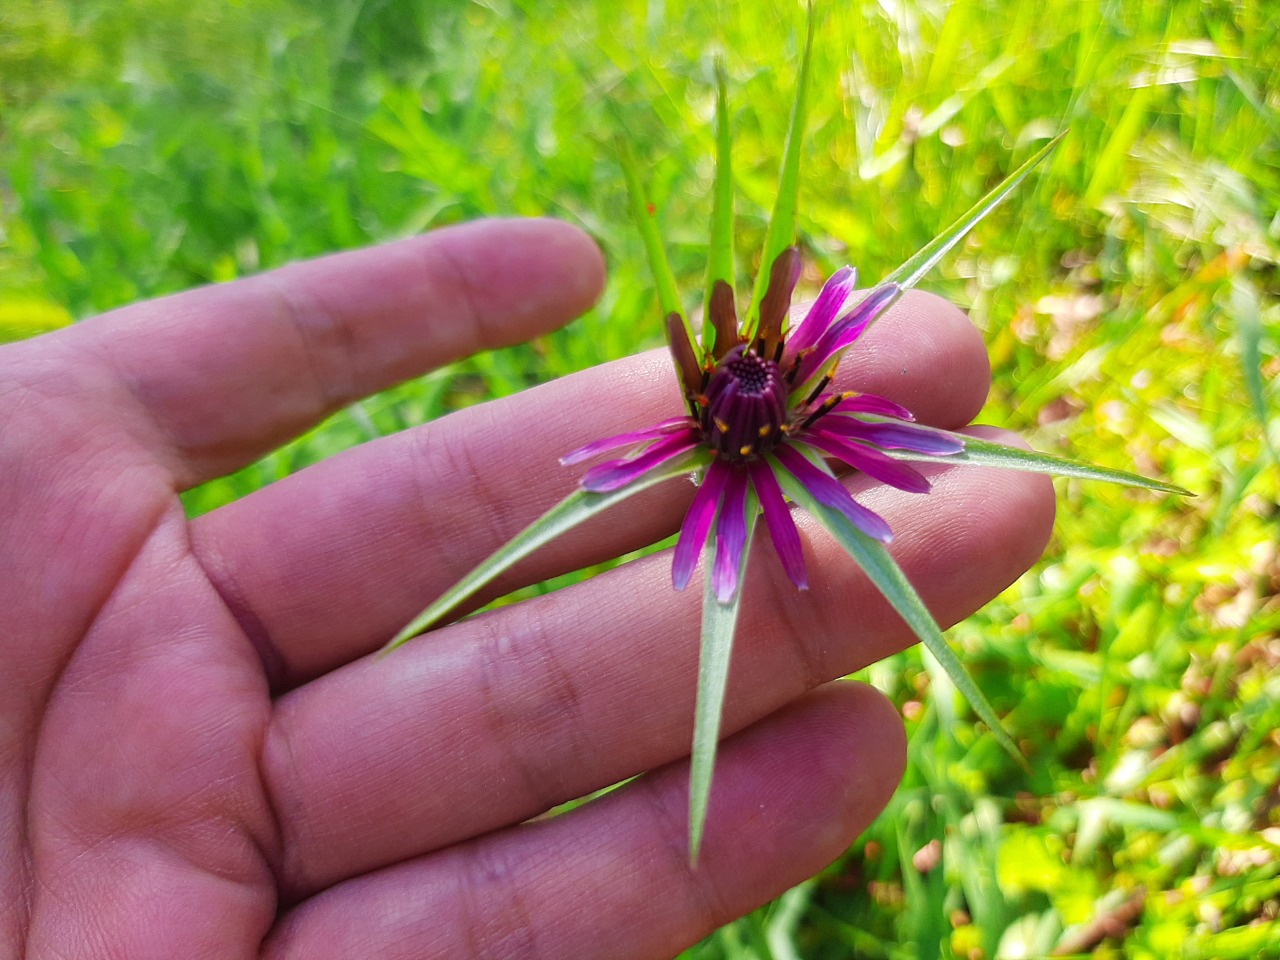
x,y
871,403
613,474
871,462
603,445
848,329
782,529
697,522
895,436
830,492
834,293
731,535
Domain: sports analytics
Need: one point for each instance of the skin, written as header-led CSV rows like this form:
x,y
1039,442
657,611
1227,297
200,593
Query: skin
x,y
199,755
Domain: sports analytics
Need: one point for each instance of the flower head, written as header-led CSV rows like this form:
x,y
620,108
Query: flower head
x,y
759,402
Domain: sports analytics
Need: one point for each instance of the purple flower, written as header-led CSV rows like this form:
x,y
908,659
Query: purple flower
x,y
760,403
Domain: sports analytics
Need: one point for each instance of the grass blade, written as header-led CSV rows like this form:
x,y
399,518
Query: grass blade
x,y
720,263
719,621
883,571
568,513
924,260
643,212
782,222
1245,308
984,453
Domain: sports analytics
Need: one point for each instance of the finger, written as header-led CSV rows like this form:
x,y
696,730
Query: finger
x,y
533,704
326,565
218,376
612,878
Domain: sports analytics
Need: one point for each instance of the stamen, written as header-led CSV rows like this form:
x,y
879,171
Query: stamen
x,y
827,406
796,361
817,391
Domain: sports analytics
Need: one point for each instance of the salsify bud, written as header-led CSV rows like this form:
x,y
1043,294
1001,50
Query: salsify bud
x,y
746,406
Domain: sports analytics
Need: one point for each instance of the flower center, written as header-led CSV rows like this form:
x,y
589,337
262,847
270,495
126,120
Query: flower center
x,y
746,406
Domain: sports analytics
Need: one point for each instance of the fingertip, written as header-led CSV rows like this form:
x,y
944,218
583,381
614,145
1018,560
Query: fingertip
x,y
865,746
818,771
963,367
926,353
529,275
586,260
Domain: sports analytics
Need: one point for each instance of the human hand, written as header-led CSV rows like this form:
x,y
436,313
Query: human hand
x,y
199,757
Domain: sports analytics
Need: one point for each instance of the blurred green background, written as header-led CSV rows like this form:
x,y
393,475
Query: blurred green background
x,y
1128,295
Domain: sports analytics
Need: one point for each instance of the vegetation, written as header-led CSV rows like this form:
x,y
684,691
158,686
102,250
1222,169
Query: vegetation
x,y
1128,295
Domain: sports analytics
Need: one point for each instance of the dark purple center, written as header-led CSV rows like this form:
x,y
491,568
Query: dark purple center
x,y
746,405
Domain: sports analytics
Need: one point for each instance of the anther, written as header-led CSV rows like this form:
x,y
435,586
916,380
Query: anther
x,y
826,407
817,391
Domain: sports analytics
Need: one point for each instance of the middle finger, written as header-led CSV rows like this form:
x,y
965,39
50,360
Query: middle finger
x,y
504,715
325,565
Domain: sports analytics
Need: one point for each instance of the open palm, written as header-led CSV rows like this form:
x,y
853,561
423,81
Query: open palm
x,y
200,757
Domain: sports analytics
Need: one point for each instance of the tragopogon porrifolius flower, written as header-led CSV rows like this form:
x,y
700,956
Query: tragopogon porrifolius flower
x,y
760,407
760,427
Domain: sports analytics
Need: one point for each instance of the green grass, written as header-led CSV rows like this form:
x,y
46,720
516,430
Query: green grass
x,y
1128,297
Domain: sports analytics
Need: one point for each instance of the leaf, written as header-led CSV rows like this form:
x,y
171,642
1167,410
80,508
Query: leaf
x,y
782,222
984,453
1245,309
924,260
577,507
720,264
642,211
883,571
718,624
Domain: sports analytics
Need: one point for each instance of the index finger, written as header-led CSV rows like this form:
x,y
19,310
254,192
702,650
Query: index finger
x,y
214,378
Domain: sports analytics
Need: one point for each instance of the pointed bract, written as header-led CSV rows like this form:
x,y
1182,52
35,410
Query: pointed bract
x,y
782,222
783,276
724,318
683,352
720,262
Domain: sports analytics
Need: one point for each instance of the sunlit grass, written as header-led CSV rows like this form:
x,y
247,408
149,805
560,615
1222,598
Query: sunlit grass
x,y
1128,300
